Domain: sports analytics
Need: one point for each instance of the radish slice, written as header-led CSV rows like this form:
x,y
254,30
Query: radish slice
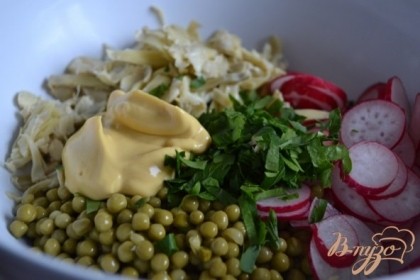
x,y
406,150
329,210
397,185
303,223
280,205
349,200
415,121
365,234
322,270
373,120
329,231
372,92
395,92
365,175
402,207
307,91
298,214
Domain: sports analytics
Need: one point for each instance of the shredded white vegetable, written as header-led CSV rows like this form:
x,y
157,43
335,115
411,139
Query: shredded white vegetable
x,y
171,62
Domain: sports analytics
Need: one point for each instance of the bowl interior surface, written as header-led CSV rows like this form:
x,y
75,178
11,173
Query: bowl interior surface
x,y
351,43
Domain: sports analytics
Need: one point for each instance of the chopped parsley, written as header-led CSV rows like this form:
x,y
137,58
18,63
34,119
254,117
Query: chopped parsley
x,y
259,149
160,90
197,83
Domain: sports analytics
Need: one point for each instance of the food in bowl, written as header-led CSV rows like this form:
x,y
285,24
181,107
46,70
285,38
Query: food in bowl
x,y
220,211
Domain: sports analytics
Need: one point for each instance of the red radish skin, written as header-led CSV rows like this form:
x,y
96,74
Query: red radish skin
x,y
397,185
374,120
298,214
307,91
327,232
402,207
350,201
414,128
406,150
321,270
364,234
280,205
395,92
372,92
374,167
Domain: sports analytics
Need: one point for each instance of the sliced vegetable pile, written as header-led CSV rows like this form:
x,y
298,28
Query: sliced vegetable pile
x,y
383,187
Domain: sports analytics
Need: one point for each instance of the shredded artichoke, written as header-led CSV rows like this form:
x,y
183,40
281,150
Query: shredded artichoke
x,y
171,62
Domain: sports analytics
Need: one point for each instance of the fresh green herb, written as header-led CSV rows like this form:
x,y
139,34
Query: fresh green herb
x,y
139,203
167,245
273,239
318,211
160,90
197,83
259,149
92,205
249,257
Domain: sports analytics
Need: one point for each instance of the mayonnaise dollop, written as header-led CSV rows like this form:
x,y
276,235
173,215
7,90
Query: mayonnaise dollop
x,y
123,150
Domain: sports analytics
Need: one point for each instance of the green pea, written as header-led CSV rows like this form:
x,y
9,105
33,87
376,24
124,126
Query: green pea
x,y
41,212
145,250
63,193
233,267
125,216
261,273
26,213
52,247
59,235
218,268
220,218
69,246
55,205
62,220
294,247
233,234
156,232
219,246
280,262
196,217
78,203
107,237
123,232
155,202
45,226
85,260
52,195
179,259
109,263
130,271
18,228
233,212
41,201
178,274
189,203
147,209
233,250
116,203
86,247
208,229
180,219
67,207
264,255
82,226
103,221
159,262
125,251
162,193
163,217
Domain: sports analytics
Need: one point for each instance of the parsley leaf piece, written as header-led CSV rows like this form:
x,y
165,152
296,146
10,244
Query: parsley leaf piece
x,y
139,203
197,82
318,211
194,164
92,205
160,90
249,211
167,245
249,257
273,239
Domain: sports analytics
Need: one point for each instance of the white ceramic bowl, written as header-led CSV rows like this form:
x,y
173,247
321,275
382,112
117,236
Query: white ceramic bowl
x,y
352,43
